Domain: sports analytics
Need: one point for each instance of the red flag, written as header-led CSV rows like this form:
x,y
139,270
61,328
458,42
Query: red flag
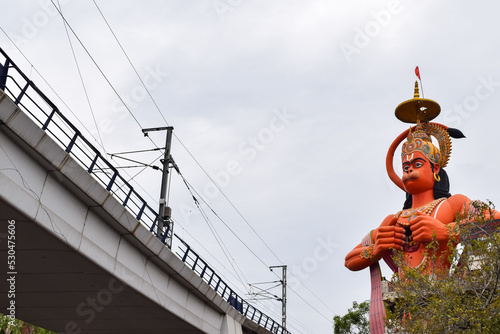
x,y
417,72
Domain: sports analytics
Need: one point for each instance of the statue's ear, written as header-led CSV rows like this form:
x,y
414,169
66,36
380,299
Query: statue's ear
x,y
436,169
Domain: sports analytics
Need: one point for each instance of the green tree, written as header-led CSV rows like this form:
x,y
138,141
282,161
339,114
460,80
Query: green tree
x,y
355,321
19,327
463,299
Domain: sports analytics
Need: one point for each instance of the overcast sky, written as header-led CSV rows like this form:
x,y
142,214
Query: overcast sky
x,y
287,104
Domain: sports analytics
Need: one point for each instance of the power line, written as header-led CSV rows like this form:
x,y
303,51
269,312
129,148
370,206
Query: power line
x,y
131,178
211,226
81,79
130,62
262,261
100,70
194,239
230,229
102,73
52,89
245,220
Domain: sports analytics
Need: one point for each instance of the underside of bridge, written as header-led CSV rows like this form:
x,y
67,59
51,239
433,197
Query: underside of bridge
x,y
59,289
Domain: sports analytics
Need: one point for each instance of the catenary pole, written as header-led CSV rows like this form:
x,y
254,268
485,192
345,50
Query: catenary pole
x,y
165,225
283,294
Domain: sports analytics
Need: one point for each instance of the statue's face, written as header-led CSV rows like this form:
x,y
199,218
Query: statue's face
x,y
418,176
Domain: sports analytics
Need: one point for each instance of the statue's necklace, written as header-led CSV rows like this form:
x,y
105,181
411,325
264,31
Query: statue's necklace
x,y
410,214
404,218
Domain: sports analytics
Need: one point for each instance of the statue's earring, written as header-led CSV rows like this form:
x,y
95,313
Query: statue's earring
x,y
437,177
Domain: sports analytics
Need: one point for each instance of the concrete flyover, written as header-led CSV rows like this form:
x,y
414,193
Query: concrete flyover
x,y
84,263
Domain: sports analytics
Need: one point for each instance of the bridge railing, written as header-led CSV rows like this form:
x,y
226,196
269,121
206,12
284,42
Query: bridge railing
x,y
198,265
29,98
34,103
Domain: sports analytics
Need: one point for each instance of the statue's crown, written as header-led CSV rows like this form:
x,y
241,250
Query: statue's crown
x,y
421,111
419,140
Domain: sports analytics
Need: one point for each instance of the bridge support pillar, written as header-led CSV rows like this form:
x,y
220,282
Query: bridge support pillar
x,y
230,326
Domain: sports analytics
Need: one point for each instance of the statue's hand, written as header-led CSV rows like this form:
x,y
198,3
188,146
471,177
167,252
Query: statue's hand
x,y
388,237
423,227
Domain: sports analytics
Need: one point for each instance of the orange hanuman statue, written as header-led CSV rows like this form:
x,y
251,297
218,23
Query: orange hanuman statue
x,y
430,210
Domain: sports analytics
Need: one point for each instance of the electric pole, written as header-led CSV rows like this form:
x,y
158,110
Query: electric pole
x,y
283,293
165,224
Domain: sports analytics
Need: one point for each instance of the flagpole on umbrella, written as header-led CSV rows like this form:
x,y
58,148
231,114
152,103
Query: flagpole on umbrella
x,y
417,72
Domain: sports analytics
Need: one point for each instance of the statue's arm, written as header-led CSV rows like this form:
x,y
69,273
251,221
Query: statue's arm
x,y
354,262
387,236
460,204
438,226
425,228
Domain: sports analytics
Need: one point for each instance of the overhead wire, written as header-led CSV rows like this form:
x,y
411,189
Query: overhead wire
x,y
270,311
265,292
137,162
100,70
51,88
263,306
212,256
42,77
135,71
107,80
136,151
222,220
130,62
218,238
216,235
297,323
142,170
81,79
262,261
246,221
